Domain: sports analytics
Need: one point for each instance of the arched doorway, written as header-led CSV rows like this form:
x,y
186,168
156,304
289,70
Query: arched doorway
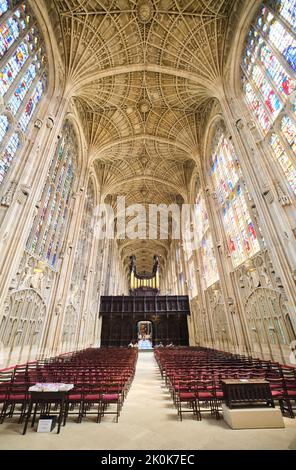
x,y
145,334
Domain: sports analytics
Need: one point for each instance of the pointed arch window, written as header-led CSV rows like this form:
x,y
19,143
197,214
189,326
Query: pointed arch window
x,y
232,197
83,251
85,238
4,125
22,76
287,9
269,67
205,242
283,145
45,240
288,129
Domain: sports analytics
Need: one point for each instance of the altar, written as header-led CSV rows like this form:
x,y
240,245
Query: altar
x,y
145,344
145,335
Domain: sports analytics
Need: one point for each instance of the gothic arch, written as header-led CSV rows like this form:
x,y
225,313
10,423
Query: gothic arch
x,y
221,329
23,319
70,327
55,81
233,80
81,155
267,317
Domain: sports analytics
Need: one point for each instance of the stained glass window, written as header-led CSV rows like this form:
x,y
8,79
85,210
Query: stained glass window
x,y
9,32
275,71
85,239
269,81
284,42
17,98
12,67
4,125
270,98
7,155
268,64
31,104
257,107
281,153
226,175
46,236
288,129
288,11
22,76
205,242
3,7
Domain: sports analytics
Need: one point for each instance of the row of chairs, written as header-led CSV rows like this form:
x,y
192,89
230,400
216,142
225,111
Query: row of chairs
x,y
101,378
194,378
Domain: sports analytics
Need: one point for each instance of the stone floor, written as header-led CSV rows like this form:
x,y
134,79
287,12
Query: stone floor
x,y
148,421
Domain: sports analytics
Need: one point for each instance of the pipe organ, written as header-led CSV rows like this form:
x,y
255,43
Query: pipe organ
x,y
143,283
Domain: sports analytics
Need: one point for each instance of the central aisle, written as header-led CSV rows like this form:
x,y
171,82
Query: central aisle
x,y
148,421
146,401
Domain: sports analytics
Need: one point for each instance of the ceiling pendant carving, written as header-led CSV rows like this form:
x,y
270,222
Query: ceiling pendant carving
x,y
144,106
145,11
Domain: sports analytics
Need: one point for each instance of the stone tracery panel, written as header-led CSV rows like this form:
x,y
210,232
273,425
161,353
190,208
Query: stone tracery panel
x,y
266,315
217,313
201,324
221,330
23,318
70,326
265,305
26,306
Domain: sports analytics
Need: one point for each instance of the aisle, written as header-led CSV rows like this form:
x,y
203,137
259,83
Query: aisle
x,y
148,405
149,421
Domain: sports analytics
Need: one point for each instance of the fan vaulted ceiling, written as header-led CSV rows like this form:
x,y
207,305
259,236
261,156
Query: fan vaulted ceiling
x,y
143,75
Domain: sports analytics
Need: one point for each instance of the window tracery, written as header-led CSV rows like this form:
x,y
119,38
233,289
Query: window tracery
x,y
232,198
205,242
83,250
269,66
45,240
22,76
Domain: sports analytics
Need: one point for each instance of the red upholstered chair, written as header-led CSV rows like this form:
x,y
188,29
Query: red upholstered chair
x,y
112,395
289,378
91,399
102,379
206,398
74,403
184,394
176,386
277,388
16,394
4,392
